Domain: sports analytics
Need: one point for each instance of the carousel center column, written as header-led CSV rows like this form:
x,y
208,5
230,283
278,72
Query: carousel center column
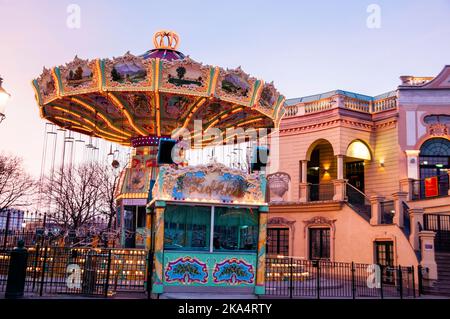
x,y
261,263
157,287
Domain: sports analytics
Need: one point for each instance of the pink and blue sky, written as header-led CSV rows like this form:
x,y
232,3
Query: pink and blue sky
x,y
305,47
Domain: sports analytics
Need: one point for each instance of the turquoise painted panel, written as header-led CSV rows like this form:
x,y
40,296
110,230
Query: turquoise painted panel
x,y
209,269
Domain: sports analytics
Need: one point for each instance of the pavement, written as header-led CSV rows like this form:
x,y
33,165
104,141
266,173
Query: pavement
x,y
206,296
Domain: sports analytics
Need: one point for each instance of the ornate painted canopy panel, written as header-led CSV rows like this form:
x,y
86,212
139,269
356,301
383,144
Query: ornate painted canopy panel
x,y
210,183
153,94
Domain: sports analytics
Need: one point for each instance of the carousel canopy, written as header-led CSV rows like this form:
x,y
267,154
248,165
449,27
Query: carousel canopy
x,y
152,95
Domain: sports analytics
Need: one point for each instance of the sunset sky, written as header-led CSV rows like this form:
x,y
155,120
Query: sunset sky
x,y
305,47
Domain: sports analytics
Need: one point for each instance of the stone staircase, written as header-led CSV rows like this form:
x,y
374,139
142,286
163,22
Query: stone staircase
x,y
442,286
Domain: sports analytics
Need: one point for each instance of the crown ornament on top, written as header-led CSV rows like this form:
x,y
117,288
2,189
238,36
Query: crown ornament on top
x,y
166,39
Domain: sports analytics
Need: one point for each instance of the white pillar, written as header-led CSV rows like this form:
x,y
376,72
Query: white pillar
x,y
340,166
428,261
412,160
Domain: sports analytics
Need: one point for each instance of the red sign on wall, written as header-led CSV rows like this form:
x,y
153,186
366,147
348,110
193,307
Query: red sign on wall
x,y
431,186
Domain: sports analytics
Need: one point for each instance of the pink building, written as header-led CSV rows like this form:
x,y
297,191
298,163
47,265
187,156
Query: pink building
x,y
366,179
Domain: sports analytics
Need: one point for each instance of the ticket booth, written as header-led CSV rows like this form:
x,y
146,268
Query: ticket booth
x,y
208,230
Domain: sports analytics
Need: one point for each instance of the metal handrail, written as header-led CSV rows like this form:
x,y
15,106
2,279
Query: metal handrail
x,y
359,191
362,207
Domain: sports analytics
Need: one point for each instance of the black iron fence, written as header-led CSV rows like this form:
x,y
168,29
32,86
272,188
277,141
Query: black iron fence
x,y
291,278
440,224
38,228
83,271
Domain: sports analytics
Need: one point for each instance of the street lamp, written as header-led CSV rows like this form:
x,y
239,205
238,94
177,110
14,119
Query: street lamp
x,y
4,96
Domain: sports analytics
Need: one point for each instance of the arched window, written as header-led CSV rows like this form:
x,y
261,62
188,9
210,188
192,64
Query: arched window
x,y
435,147
358,149
437,118
434,160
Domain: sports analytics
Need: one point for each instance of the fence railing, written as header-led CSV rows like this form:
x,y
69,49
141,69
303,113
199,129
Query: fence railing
x,y
387,211
419,189
440,224
357,105
350,103
406,219
84,271
321,192
38,228
291,278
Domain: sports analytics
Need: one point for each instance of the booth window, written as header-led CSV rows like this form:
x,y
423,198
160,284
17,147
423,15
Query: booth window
x,y
235,229
141,214
187,227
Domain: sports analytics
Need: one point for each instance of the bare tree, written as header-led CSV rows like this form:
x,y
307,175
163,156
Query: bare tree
x,y
16,186
81,194
109,179
75,195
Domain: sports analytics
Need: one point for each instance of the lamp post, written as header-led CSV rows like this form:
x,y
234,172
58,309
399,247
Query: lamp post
x,y
4,96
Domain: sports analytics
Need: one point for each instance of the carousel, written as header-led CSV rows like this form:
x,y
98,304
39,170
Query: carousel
x,y
204,225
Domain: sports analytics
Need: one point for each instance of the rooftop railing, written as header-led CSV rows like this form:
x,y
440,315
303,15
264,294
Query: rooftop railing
x,y
357,105
349,103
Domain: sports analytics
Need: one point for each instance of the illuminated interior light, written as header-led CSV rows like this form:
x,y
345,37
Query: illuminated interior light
x,y
102,116
90,129
196,106
358,149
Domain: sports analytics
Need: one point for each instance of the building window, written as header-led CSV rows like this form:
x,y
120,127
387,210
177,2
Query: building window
x,y
319,243
358,149
434,160
384,254
278,241
187,227
235,229
141,215
437,118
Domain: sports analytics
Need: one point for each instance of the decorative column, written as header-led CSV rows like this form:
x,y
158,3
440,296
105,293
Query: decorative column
x,y
158,259
260,287
406,185
304,186
428,261
340,189
375,202
304,176
148,229
412,158
416,219
399,198
303,190
340,183
340,166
